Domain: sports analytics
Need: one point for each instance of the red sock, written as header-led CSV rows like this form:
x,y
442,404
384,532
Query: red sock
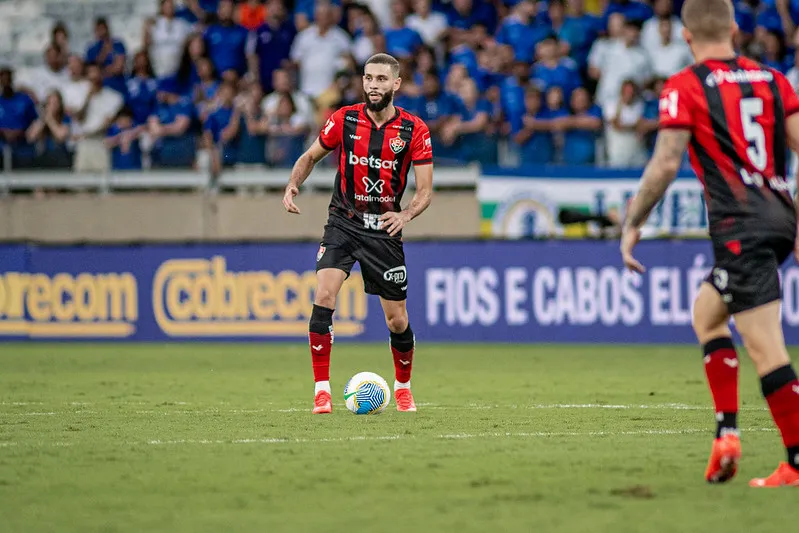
x,y
320,355
781,389
721,369
402,345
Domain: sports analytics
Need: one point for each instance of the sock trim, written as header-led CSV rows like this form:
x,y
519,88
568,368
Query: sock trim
x,y
720,343
403,342
774,381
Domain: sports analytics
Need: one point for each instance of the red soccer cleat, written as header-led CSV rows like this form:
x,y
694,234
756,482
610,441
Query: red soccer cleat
x,y
784,476
404,400
724,459
322,403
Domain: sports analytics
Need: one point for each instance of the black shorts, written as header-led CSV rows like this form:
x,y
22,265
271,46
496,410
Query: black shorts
x,y
746,270
382,260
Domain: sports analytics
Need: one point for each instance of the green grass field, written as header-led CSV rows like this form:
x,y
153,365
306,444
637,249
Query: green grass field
x,y
196,438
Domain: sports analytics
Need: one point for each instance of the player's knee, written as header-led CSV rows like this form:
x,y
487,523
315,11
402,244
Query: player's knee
x,y
397,322
325,298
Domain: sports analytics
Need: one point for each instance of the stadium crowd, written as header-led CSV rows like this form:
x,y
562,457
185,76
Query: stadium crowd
x,y
557,81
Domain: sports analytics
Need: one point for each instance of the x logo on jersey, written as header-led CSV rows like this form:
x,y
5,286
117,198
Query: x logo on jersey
x,y
373,186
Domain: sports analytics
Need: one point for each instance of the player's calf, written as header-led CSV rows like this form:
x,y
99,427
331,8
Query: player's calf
x,y
320,340
402,348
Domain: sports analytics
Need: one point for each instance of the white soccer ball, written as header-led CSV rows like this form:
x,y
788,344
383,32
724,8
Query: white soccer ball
x,y
366,393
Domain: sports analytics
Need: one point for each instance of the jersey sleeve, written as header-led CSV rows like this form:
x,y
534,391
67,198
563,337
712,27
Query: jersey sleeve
x,y
421,145
330,136
790,101
675,105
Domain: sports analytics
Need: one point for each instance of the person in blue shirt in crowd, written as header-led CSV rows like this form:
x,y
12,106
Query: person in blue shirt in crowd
x,y
519,32
534,138
648,125
252,139
552,71
141,89
169,127
17,113
49,134
123,141
581,129
205,90
461,51
110,54
512,94
631,9
221,129
401,41
576,32
304,12
464,14
774,52
269,46
227,41
745,18
438,109
186,78
470,130
195,11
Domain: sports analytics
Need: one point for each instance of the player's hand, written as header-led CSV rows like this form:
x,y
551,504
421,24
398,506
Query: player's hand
x,y
288,199
629,238
393,222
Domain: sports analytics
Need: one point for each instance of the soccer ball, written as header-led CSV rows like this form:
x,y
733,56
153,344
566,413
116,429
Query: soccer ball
x,y
366,393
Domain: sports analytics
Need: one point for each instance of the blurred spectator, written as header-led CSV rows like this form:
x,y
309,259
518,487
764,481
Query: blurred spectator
x,y
252,141
512,95
305,12
110,54
455,78
76,89
368,38
651,32
520,33
46,78
204,92
648,125
286,130
59,38
631,9
284,86
774,51
581,129
470,129
269,46
552,71
173,145
221,129
430,25
439,108
251,14
164,38
466,14
462,51
92,121
192,11
745,19
622,60
49,134
123,141
669,56
318,49
381,10
534,136
183,82
141,89
401,41
17,113
625,146
576,32
227,41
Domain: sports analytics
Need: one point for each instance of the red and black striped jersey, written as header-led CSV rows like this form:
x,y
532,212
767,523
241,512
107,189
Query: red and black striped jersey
x,y
373,163
736,110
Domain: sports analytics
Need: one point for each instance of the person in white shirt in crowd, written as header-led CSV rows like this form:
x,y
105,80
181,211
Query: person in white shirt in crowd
x,y
43,80
670,56
603,45
317,50
59,37
164,38
625,147
76,88
624,59
381,10
92,121
430,25
650,33
281,81
370,39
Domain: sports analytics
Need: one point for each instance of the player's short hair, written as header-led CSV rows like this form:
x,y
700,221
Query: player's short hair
x,y
385,59
708,20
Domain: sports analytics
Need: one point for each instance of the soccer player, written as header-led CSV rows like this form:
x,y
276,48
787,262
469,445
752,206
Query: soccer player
x,y
739,119
378,143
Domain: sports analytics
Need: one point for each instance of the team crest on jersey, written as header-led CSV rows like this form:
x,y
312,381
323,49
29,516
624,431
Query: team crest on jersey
x,y
320,253
397,144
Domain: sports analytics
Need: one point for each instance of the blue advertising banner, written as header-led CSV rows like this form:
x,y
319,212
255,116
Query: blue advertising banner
x,y
489,291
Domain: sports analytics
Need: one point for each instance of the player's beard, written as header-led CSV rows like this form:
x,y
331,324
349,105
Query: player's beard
x,y
377,107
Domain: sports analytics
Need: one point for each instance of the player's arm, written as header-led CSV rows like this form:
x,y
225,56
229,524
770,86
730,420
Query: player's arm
x,y
658,175
300,172
394,222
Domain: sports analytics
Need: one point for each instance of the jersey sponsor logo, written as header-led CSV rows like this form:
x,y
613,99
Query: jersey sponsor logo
x,y
397,275
719,77
373,186
355,137
372,162
396,144
669,103
426,141
353,119
329,126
